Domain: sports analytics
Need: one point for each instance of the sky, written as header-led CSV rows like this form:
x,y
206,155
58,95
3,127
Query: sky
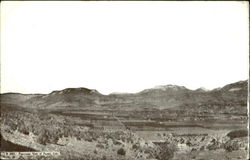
x,y
122,46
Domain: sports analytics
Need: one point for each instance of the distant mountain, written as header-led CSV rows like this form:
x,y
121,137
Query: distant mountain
x,y
238,86
202,90
166,88
159,97
76,91
70,97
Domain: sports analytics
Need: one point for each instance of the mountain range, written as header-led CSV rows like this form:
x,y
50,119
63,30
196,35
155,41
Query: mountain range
x,y
160,97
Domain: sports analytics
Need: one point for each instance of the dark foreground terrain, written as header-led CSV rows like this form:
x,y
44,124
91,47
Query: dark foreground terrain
x,y
166,122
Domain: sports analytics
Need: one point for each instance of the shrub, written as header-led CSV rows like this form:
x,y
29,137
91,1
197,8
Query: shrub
x,y
232,145
165,151
235,144
104,157
121,151
42,138
214,145
47,136
135,146
23,129
98,145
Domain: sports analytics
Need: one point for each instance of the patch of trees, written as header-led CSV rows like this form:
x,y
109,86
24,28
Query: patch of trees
x,y
237,133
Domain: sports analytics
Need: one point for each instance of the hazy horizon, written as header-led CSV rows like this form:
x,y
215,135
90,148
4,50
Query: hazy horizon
x,y
122,46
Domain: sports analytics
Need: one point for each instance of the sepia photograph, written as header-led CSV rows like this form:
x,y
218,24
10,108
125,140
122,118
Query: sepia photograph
x,y
124,80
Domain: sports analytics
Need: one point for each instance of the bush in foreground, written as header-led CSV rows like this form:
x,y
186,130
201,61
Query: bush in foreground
x,y
121,151
164,151
235,144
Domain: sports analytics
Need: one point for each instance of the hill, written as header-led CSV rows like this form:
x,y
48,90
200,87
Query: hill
x,y
160,97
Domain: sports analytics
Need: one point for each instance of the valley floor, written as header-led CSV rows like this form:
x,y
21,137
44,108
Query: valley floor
x,y
112,136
